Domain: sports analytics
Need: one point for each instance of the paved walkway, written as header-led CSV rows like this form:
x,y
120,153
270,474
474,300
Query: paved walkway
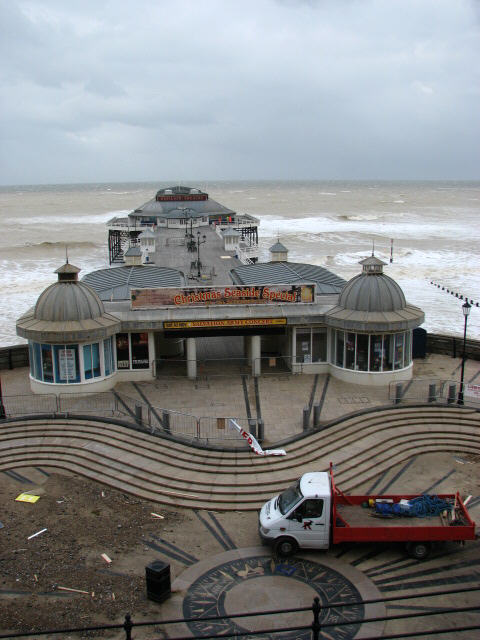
x,y
281,396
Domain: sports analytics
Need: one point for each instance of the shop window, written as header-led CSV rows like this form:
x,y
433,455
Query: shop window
x,y
304,346
388,345
408,349
37,359
362,352
66,364
30,360
350,351
108,356
376,353
140,358
398,356
123,353
339,349
91,360
47,363
319,345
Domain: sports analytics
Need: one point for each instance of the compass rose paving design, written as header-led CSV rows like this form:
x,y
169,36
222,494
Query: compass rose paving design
x,y
250,580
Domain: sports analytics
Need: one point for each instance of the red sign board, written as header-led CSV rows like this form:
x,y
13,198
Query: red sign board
x,y
182,198
231,295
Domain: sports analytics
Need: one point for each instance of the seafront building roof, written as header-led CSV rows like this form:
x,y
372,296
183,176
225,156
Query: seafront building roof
x,y
172,208
288,273
114,284
278,247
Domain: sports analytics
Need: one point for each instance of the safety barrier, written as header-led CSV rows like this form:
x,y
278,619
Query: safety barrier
x,y
155,420
434,390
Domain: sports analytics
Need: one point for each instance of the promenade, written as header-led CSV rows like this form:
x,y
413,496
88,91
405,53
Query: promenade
x,y
109,478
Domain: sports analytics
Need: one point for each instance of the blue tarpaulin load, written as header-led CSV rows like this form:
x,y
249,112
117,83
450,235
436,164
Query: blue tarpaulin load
x,y
424,506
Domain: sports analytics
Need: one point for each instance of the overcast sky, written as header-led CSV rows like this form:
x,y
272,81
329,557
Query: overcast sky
x,y
96,90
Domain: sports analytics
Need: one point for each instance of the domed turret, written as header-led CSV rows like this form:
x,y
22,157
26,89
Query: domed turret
x,y
373,301
372,291
68,299
67,311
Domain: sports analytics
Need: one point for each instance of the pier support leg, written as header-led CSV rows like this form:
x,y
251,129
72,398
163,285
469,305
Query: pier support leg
x,y
191,358
256,354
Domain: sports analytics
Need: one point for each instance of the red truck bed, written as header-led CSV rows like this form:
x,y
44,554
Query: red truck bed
x,y
353,523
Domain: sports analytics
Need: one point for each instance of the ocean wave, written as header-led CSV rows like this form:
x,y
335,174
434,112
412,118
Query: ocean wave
x,y
53,245
69,218
364,217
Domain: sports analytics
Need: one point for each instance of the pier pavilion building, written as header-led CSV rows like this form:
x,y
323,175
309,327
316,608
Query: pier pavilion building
x,y
203,285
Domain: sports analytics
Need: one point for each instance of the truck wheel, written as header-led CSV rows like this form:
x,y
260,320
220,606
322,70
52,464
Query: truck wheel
x,y
285,547
419,550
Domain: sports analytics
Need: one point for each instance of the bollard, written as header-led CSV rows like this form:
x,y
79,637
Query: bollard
x,y
452,393
398,393
166,421
432,392
261,430
316,416
306,418
138,414
252,427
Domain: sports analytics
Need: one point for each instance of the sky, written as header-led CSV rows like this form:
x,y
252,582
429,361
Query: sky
x,y
142,90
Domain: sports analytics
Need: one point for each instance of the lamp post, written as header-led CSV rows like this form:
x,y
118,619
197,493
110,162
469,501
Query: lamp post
x,y
199,242
466,310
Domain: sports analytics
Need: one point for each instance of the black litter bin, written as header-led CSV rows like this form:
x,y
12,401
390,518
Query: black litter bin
x,y
157,575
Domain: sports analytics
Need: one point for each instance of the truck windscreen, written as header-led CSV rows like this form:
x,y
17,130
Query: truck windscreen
x,y
289,498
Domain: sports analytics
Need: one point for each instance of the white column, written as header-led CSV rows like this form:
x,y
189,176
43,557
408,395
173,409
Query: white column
x,y
191,358
256,353
151,352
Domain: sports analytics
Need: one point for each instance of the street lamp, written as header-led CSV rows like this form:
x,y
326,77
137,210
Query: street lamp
x,y
466,310
199,242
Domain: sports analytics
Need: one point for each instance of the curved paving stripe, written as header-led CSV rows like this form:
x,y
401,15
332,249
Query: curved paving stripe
x,y
172,473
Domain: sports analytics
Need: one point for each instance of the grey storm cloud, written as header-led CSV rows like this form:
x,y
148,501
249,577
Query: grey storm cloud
x,y
148,90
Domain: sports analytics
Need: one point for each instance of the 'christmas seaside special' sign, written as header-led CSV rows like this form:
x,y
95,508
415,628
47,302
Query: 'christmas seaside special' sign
x,y
231,295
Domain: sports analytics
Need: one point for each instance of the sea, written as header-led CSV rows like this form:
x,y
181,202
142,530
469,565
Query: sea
x,y
434,226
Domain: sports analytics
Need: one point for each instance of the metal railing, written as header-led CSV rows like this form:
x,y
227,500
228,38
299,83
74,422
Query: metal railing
x,y
322,622
150,418
434,390
274,364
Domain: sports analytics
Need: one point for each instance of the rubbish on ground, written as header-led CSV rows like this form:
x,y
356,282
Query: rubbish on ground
x,y
26,497
103,494
35,577
253,443
72,590
113,596
1,525
157,515
34,535
60,501
106,558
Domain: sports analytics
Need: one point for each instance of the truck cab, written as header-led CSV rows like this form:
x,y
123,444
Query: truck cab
x,y
300,516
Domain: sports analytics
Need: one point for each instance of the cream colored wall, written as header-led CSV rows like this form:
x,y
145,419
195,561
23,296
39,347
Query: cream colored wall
x,y
370,378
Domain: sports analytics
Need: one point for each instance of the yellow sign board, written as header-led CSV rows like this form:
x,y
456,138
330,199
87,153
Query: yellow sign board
x,y
26,497
230,322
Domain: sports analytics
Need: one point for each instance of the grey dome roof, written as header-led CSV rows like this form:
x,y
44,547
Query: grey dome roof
x,y
68,301
67,311
372,293
372,302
